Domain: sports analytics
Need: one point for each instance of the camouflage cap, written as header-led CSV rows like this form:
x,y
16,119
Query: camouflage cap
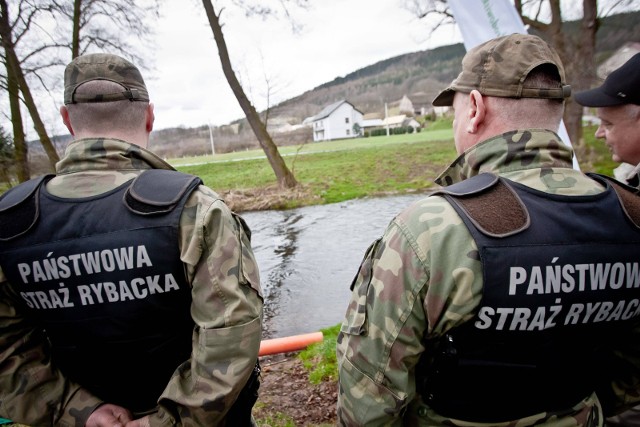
x,y
103,66
499,66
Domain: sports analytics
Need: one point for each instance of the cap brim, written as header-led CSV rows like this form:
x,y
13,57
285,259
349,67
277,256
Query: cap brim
x,y
597,98
444,98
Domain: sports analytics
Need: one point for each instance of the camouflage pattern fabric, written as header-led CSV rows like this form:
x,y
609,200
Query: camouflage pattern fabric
x,y
103,66
422,278
226,308
499,67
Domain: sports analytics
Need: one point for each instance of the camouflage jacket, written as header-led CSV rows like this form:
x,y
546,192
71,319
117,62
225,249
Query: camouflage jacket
x,y
226,307
420,279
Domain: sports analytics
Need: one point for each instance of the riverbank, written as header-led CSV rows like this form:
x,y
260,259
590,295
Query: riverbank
x,y
336,171
327,172
288,398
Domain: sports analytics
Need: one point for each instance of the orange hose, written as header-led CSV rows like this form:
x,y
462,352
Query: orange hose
x,y
291,343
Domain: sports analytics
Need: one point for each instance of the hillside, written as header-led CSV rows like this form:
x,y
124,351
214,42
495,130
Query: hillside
x,y
419,75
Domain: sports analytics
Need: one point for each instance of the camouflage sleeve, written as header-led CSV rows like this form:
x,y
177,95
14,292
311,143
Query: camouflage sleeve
x,y
32,391
413,283
380,339
227,312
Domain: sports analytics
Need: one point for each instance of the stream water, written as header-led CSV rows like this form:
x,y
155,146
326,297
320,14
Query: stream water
x,y
309,256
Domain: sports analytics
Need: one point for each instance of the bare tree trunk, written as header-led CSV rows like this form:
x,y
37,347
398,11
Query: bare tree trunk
x,y
582,68
14,63
578,56
75,38
579,59
283,174
21,150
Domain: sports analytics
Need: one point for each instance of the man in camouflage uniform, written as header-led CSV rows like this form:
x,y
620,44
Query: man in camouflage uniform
x,y
617,103
129,291
479,304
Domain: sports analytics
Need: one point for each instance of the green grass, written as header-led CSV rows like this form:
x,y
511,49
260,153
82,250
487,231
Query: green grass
x,y
437,134
598,150
275,420
335,171
320,358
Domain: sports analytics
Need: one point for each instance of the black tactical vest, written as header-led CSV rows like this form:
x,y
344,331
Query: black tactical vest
x,y
561,291
103,276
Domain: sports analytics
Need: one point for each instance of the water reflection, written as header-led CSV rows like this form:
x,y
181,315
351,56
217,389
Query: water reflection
x,y
308,257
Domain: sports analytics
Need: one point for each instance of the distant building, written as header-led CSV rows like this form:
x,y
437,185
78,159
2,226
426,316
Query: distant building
x,y
336,121
406,106
421,103
402,107
370,124
400,121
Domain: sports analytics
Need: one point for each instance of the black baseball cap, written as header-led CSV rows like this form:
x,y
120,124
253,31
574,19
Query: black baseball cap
x,y
622,86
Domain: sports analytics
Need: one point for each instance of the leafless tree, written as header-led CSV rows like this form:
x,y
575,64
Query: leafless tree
x,y
20,147
103,24
546,18
285,177
7,156
36,42
12,30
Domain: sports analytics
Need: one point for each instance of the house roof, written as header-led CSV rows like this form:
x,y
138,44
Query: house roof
x,y
394,120
369,123
410,121
326,111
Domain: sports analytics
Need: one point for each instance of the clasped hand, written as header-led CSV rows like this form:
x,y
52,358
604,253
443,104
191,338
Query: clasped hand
x,y
109,415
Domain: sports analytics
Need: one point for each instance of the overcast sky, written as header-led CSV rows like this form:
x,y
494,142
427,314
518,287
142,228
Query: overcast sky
x,y
185,78
188,87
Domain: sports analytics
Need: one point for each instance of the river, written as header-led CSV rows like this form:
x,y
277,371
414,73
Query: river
x,y
308,257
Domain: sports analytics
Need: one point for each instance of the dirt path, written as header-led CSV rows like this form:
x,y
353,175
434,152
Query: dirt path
x,y
286,390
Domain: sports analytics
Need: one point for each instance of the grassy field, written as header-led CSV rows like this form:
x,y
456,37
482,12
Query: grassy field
x,y
334,171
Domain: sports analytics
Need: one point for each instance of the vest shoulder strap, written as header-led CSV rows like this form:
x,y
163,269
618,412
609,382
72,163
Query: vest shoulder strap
x,y
157,191
629,196
490,203
19,208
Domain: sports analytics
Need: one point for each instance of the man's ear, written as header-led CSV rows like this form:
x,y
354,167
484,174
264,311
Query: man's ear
x,y
150,117
65,119
477,111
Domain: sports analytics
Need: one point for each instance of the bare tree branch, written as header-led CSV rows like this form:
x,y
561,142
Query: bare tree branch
x,y
283,174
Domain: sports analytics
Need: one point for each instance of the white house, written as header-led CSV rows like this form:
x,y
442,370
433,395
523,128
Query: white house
x,y
336,121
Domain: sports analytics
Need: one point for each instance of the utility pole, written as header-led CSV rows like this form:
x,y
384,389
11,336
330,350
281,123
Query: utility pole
x,y
386,120
213,150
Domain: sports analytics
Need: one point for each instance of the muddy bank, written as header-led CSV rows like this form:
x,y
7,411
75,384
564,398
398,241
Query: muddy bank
x,y
287,396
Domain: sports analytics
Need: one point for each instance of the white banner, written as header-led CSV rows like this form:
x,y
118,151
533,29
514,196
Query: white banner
x,y
482,20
